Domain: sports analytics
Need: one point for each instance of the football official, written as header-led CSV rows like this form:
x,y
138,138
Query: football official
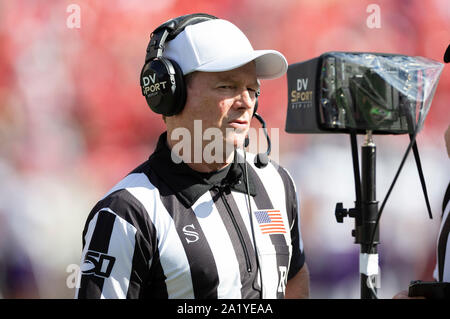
x,y
201,218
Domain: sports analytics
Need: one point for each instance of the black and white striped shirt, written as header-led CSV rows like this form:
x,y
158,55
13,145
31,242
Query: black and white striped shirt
x,y
166,231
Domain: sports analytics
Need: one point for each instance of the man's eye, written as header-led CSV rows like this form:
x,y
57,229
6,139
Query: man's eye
x,y
253,92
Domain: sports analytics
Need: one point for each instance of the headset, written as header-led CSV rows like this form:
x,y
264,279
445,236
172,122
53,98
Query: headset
x,y
162,81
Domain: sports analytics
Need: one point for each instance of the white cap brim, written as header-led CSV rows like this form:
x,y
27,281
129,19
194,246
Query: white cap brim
x,y
270,64
217,46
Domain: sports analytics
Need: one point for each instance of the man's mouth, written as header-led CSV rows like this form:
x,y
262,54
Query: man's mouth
x,y
238,123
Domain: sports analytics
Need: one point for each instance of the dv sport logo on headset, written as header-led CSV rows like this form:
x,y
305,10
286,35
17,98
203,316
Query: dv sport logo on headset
x,y
150,86
157,87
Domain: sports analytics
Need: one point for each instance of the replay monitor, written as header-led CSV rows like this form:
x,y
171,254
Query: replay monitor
x,y
343,92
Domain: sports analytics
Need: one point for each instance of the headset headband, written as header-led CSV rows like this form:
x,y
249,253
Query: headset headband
x,y
169,30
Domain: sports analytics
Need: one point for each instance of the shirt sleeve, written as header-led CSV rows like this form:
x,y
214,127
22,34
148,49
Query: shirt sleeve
x,y
116,250
292,208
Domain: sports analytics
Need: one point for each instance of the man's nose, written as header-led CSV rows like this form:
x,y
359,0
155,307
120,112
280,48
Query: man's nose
x,y
245,100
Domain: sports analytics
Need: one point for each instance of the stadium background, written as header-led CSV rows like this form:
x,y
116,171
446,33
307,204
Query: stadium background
x,y
73,122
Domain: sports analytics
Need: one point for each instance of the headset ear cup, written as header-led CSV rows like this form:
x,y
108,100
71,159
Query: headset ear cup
x,y
163,86
162,80
155,87
180,94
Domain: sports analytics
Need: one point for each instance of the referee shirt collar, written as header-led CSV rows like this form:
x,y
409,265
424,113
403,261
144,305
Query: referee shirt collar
x,y
188,184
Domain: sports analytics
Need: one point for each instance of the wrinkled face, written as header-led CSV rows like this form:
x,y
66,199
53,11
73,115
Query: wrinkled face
x,y
221,100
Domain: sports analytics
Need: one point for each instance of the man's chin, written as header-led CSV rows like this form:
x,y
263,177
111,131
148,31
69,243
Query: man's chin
x,y
236,141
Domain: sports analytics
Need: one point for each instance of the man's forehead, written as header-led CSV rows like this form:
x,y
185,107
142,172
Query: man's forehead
x,y
246,72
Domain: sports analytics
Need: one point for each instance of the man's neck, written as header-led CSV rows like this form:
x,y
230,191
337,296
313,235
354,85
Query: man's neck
x,y
207,167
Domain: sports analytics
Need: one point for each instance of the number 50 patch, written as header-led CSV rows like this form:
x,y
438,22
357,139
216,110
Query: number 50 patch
x,y
97,264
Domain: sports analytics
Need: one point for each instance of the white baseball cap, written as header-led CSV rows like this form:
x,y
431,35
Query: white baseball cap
x,y
218,45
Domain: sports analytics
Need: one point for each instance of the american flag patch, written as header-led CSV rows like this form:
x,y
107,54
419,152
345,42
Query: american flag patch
x,y
270,221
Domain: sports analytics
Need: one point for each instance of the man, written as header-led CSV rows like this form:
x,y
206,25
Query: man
x,y
180,225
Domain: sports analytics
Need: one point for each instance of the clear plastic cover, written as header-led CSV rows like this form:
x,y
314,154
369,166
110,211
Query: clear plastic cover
x,y
378,92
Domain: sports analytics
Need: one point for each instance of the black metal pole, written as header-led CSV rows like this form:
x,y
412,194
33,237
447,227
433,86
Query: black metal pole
x,y
365,214
367,221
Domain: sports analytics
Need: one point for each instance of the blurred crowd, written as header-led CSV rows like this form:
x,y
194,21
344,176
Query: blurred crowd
x,y
73,122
